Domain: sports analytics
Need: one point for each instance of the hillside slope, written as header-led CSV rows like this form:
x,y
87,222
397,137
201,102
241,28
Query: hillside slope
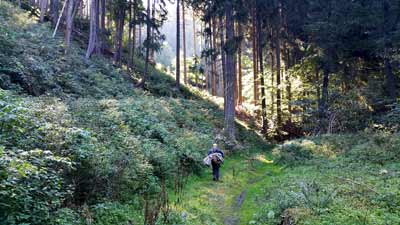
x,y
33,62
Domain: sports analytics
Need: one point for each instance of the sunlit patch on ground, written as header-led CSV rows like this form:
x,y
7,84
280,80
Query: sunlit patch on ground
x,y
261,158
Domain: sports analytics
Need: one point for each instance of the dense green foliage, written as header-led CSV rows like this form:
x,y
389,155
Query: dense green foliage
x,y
33,62
335,179
90,147
87,150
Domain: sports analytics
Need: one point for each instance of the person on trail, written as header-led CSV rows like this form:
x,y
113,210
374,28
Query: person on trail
x,y
217,158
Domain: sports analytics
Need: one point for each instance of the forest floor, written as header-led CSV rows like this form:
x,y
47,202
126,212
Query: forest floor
x,y
231,200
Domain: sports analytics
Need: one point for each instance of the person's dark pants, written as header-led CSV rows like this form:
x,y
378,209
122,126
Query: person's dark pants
x,y
215,170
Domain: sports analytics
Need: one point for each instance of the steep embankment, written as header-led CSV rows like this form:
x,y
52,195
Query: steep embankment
x,y
33,62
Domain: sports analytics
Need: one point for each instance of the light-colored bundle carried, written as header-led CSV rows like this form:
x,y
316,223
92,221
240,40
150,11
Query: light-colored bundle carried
x,y
207,160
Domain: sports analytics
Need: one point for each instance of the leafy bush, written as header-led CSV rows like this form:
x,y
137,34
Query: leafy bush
x,y
31,185
356,186
378,148
316,197
298,152
391,119
113,213
44,68
294,153
118,148
66,216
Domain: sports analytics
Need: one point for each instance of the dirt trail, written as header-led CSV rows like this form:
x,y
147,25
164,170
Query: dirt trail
x,y
231,201
234,219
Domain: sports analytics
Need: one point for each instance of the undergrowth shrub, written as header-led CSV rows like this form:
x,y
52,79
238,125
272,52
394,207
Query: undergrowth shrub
x,y
14,121
335,179
390,120
303,197
300,151
44,68
316,197
114,213
116,149
66,216
376,147
31,185
174,217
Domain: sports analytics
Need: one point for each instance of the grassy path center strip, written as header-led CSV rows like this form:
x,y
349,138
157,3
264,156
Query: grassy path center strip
x,y
230,201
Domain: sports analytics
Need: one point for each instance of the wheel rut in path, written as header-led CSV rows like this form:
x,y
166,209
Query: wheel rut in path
x,y
234,218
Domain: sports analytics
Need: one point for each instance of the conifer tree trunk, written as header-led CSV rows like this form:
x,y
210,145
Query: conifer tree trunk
x,y
208,44
54,11
93,46
202,40
87,9
147,54
194,35
130,44
272,82
229,78
134,30
235,67
255,59
59,18
140,35
288,84
178,45
390,79
240,72
278,69
264,123
222,85
43,9
109,17
278,83
185,78
81,9
324,98
213,58
102,27
152,50
318,87
119,32
69,23
103,15
195,47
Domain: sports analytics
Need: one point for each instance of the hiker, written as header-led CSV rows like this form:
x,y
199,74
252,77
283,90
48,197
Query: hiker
x,y
217,158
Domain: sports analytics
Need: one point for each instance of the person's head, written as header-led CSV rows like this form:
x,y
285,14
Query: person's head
x,y
215,146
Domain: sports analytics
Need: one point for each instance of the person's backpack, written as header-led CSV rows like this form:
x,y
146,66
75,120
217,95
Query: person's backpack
x,y
215,159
